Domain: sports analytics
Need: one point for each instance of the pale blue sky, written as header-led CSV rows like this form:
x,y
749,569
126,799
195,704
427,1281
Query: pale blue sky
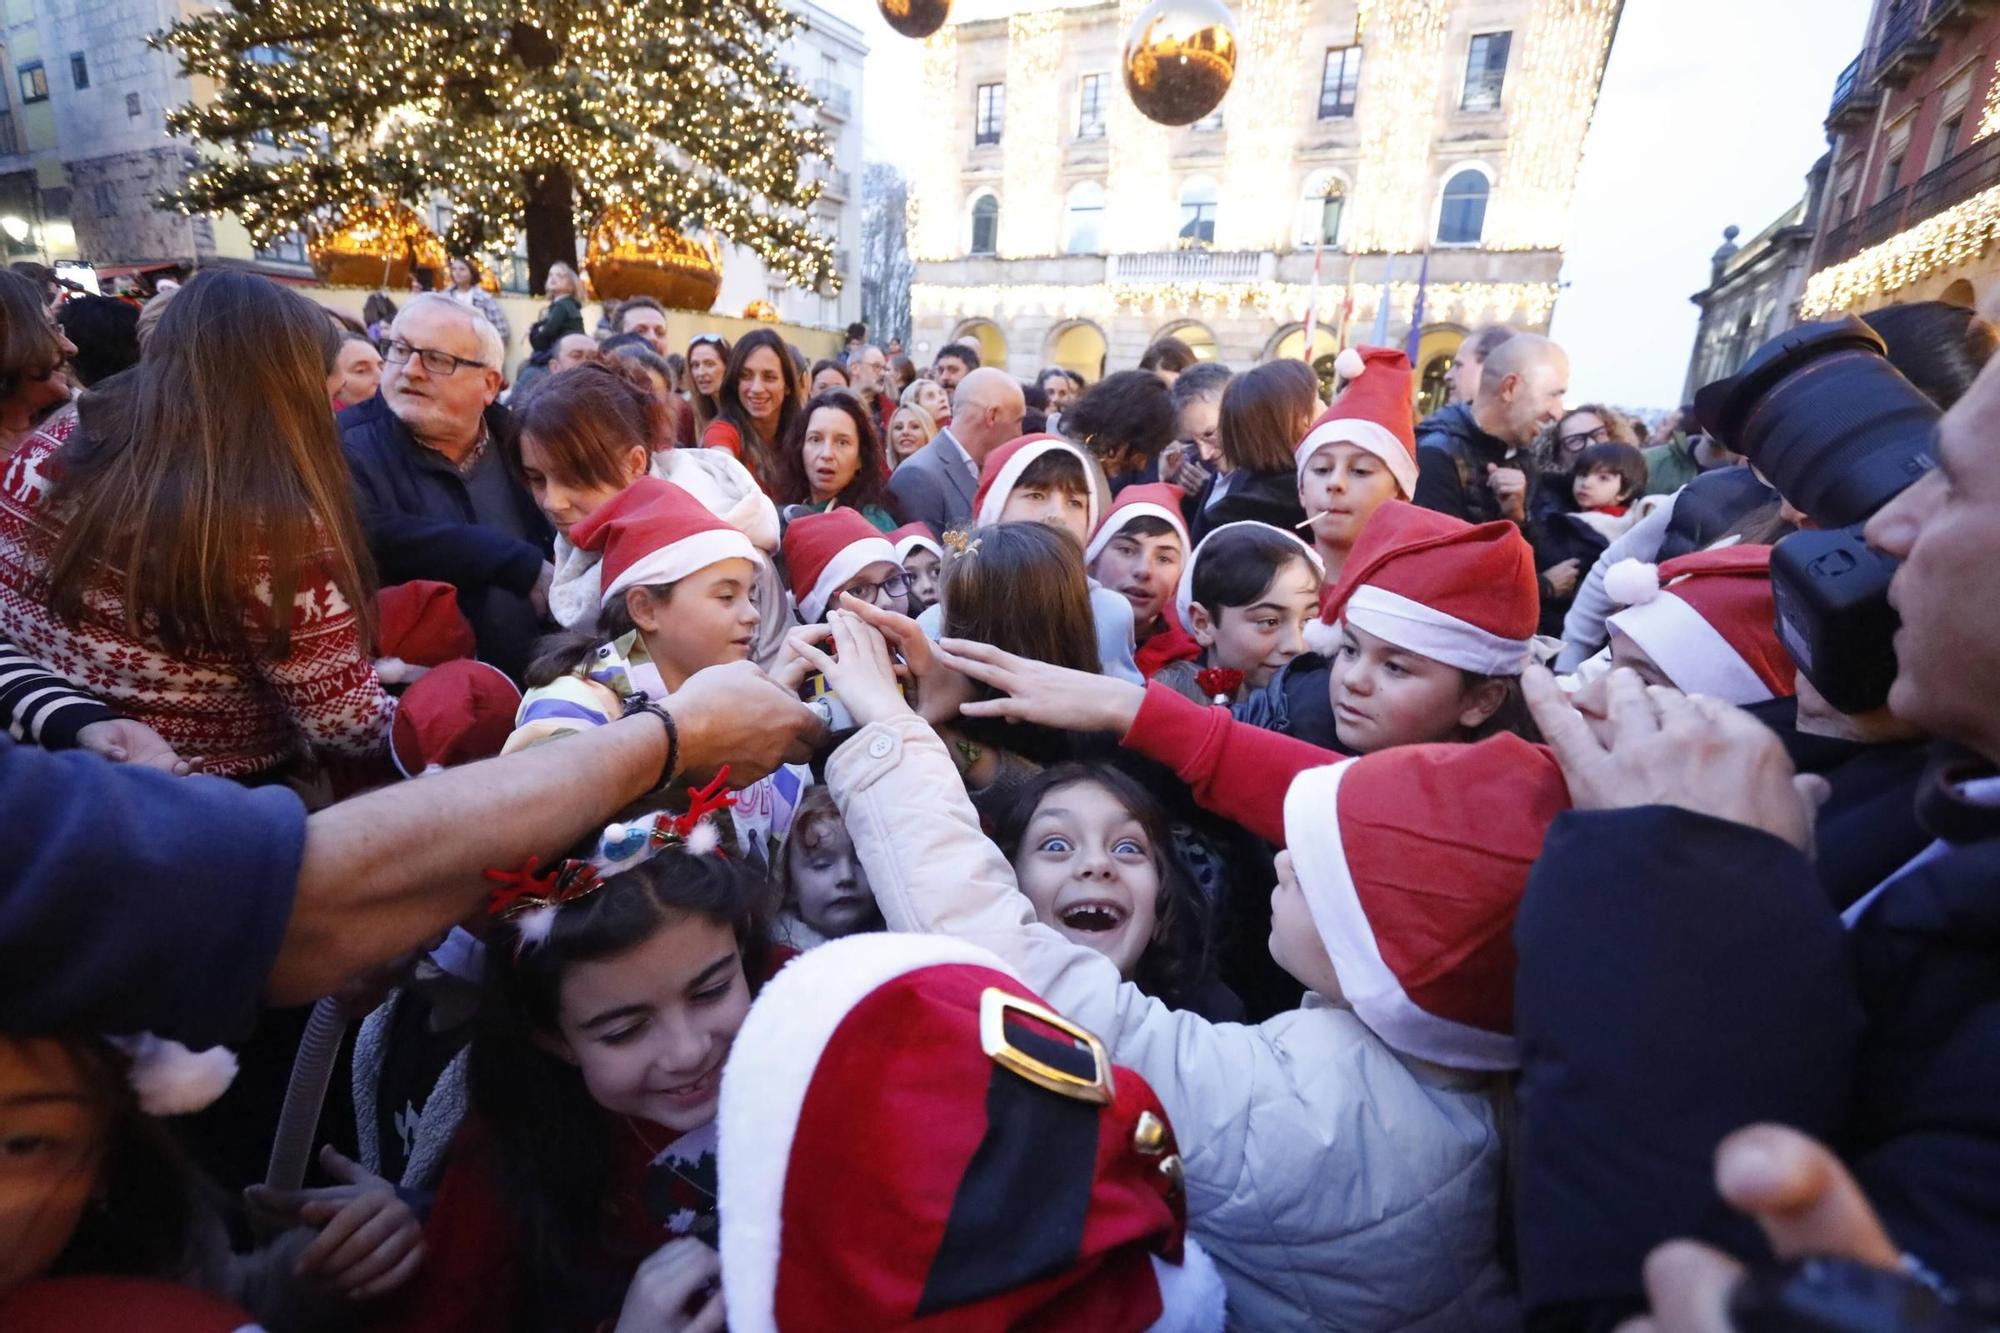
x,y
1711,114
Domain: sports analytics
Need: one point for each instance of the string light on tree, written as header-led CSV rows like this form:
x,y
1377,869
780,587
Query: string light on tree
x,y
1453,302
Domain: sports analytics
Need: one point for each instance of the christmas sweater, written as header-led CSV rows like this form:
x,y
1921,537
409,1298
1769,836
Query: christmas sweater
x,y
241,713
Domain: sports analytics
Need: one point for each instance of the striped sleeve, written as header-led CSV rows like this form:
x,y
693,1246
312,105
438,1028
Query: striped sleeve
x,y
41,707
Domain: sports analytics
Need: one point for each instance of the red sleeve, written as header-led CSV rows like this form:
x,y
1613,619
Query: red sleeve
x,y
721,435
1234,769
466,1283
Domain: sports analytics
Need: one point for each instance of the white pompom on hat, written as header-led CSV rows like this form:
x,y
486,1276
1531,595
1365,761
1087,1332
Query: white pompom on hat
x,y
170,1079
1373,414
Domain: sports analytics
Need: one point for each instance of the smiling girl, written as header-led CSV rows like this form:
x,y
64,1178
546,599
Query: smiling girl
x,y
755,404
1360,454
1246,595
832,458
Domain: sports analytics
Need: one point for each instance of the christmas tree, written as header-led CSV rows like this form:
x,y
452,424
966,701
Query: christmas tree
x,y
525,114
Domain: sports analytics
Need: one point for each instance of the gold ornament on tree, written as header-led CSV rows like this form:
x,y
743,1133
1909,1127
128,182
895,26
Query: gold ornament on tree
x,y
915,18
763,310
1179,59
377,245
632,253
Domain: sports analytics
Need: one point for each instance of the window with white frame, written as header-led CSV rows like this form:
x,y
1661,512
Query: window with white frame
x,y
1321,207
1090,107
1083,219
1462,215
985,225
1485,71
1198,200
992,114
1339,82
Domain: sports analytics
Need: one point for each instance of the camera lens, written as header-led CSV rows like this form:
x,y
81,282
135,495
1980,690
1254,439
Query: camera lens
x,y
1824,416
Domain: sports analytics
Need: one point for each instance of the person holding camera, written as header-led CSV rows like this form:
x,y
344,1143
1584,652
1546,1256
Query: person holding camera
x,y
1682,974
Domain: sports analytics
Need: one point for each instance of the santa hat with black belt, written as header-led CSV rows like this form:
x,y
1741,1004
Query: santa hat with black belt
x,y
1707,621
1154,499
1048,1193
915,537
1002,470
1413,885
823,553
1373,413
1437,586
653,532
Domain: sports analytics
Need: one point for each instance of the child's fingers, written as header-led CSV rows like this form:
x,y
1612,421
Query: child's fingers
x,y
343,1168
372,1235
277,1202
1008,710
377,1261
816,659
404,1270
352,1217
999,677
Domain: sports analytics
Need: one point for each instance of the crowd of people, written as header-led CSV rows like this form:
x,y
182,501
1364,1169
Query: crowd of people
x,y
667,836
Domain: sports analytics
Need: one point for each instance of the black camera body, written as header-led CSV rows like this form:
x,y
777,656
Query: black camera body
x,y
1840,433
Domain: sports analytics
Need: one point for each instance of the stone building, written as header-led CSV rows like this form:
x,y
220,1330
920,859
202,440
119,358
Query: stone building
x,y
1054,224
1754,289
1913,201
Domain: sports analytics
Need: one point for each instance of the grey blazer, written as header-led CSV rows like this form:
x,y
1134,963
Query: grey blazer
x,y
935,484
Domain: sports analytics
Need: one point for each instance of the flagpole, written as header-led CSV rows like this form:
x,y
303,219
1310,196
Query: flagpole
x,y
1312,294
1415,340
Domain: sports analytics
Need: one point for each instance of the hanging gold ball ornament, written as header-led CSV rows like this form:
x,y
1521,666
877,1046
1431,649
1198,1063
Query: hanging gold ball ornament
x,y
915,18
762,310
1180,58
632,253
377,245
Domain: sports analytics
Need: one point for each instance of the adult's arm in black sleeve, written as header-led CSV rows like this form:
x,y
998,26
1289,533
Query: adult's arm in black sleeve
x,y
469,557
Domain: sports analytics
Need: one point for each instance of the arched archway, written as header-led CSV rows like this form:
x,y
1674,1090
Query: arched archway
x,y
1435,351
1960,293
1078,345
1195,334
992,342
1289,344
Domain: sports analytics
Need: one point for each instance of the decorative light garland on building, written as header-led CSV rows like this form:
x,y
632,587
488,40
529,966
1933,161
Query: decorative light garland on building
x,y
934,181
1956,236
1031,139
1989,116
1140,206
1551,100
1456,302
1259,191
1402,62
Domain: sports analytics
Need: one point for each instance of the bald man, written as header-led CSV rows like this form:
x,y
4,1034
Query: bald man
x,y
935,484
1473,459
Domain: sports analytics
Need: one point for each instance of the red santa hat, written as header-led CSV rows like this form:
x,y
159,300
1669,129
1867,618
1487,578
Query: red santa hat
x,y
418,626
459,712
911,536
1184,594
823,552
1707,621
1373,413
1153,499
1046,1193
654,532
1004,466
97,1302
1412,861
1436,585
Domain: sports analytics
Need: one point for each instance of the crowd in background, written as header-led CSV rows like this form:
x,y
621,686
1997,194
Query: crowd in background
x,y
686,832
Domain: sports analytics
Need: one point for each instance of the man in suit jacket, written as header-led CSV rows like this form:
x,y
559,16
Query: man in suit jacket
x,y
935,484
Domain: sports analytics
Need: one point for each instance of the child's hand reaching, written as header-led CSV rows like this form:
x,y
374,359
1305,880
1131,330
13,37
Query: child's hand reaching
x,y
940,690
861,672
1039,692
676,1290
369,1241
790,670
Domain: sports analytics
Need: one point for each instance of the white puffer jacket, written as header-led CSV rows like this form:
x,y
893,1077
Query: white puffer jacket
x,y
1336,1184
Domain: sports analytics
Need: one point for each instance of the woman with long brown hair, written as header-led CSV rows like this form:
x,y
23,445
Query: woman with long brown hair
x,y
707,362
760,395
184,542
1266,411
33,351
831,458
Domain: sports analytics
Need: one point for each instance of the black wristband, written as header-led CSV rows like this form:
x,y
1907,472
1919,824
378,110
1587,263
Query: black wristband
x,y
645,705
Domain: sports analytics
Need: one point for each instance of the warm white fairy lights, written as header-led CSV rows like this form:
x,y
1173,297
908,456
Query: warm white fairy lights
x,y
1445,302
1140,208
1262,108
1551,98
1989,116
1031,138
934,180
1396,113
1956,236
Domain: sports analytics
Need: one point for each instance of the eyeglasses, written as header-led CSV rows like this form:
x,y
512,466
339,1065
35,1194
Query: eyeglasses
x,y
1578,441
893,586
436,362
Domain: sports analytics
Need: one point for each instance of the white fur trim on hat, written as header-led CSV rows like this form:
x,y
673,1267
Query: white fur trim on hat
x,y
915,539
1010,473
1363,434
676,560
1319,860
1120,519
1693,653
848,561
170,1079
1411,625
1184,592
1349,364
1193,1298
764,1085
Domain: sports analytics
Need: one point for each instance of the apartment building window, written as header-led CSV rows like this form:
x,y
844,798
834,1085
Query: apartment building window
x,y
79,70
1090,107
992,113
289,248
1339,81
1462,216
131,104
1198,199
8,144
985,225
1949,136
1485,71
1896,147
34,82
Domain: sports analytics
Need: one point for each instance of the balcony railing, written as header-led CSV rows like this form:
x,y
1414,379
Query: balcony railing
x,y
1188,266
1903,49
834,97
836,182
1953,182
1844,86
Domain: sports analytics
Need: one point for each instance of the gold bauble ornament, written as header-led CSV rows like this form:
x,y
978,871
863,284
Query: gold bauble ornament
x,y
915,18
1179,59
631,253
762,310
375,245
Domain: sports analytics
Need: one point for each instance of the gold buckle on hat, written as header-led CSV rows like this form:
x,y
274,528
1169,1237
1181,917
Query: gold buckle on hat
x,y
994,1005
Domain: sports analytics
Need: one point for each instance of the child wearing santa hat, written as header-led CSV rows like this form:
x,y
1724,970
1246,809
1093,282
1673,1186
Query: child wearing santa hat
x,y
675,599
923,558
1137,552
1703,623
1345,1156
1245,595
838,552
1361,453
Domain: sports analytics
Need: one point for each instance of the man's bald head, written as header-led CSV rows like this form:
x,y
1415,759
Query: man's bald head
x,y
986,411
1521,389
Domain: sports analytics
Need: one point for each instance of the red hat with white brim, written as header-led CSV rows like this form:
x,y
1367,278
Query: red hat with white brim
x,y
1002,470
909,1137
457,713
1413,884
911,536
654,532
1372,413
1153,499
824,553
1707,621
1184,594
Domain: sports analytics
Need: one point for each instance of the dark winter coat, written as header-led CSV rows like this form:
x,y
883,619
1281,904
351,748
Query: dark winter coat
x,y
1709,506
1452,457
1263,497
1297,702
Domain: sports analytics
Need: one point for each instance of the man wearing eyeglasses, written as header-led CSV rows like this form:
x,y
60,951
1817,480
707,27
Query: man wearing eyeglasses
x,y
437,496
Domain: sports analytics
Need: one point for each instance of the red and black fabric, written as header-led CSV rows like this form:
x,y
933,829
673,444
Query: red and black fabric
x,y
101,1304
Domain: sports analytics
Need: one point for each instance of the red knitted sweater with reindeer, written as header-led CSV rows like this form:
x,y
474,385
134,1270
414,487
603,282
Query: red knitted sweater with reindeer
x,y
242,714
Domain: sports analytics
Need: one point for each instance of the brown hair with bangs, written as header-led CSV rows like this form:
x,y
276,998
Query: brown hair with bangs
x,y
28,348
1266,411
589,417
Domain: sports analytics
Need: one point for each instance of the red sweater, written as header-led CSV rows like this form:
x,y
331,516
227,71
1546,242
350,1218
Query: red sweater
x,y
1236,770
